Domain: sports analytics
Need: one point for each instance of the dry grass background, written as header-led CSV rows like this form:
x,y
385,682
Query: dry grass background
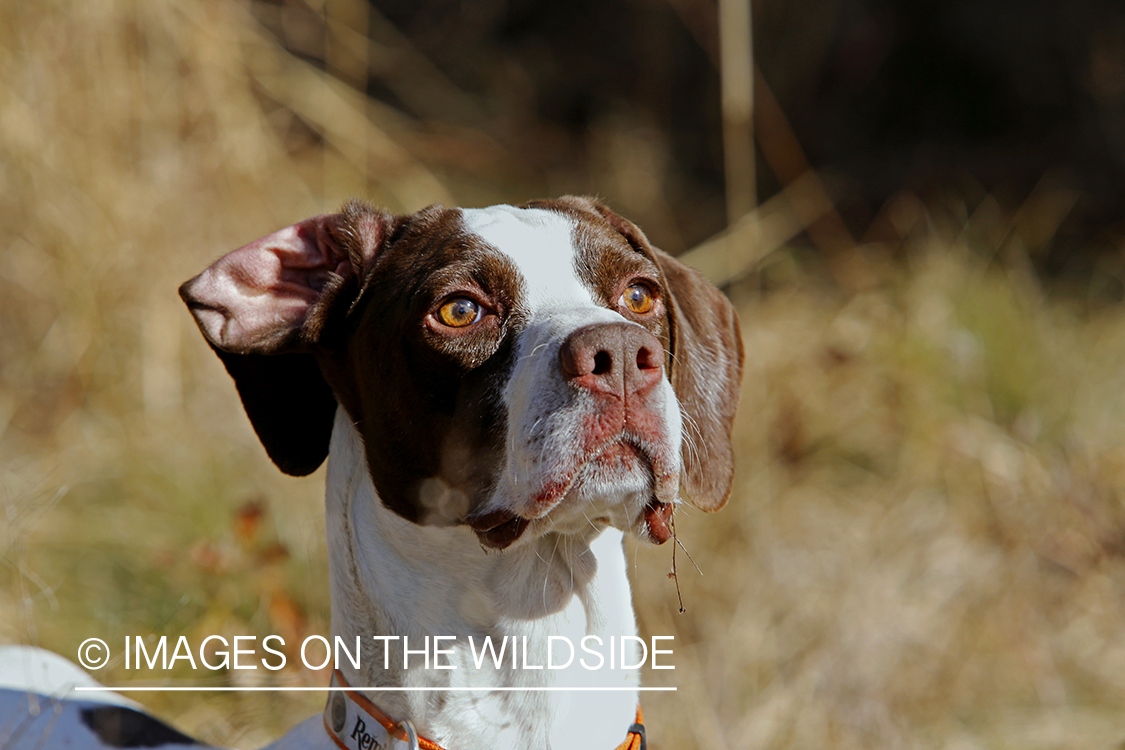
x,y
924,548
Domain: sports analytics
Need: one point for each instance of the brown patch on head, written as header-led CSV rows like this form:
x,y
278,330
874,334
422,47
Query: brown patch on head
x,y
340,308
425,396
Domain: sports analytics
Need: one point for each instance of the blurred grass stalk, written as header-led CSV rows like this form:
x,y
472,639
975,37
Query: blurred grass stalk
x,y
736,49
935,559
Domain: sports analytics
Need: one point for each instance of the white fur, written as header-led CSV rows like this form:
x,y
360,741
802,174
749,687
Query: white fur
x,y
392,577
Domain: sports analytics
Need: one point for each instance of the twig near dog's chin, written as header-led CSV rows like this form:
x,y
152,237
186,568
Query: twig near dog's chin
x,y
673,575
681,546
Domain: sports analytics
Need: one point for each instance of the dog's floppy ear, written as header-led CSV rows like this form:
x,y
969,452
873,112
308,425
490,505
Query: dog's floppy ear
x,y
264,307
706,369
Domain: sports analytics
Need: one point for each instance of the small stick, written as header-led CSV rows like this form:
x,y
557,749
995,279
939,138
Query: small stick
x,y
681,546
672,575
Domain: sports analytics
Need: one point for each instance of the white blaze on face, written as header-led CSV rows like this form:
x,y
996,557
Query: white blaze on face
x,y
546,419
543,417
541,244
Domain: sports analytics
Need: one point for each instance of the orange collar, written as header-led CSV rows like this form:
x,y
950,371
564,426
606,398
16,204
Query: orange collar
x,y
347,713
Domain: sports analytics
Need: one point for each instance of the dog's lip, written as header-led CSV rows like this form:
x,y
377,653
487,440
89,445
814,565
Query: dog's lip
x,y
498,528
658,520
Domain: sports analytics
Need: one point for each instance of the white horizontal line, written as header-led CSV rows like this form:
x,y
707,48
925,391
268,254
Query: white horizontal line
x,y
227,689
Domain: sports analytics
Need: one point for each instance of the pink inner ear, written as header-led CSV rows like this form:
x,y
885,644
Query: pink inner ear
x,y
256,298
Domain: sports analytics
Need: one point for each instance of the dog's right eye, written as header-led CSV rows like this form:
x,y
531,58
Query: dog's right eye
x,y
459,312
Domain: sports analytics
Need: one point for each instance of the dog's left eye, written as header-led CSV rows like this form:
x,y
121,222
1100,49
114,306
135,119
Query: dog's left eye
x,y
638,298
459,312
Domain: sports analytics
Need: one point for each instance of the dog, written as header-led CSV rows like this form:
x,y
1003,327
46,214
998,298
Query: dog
x,y
501,394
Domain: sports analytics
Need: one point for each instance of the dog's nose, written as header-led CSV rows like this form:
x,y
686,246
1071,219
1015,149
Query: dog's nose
x,y
621,359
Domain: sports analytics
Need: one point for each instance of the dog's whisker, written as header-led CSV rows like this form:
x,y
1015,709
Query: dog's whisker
x,y
570,565
534,351
692,437
547,575
589,521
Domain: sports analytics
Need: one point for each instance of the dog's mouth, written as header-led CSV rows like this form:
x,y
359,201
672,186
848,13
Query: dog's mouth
x,y
499,528
657,517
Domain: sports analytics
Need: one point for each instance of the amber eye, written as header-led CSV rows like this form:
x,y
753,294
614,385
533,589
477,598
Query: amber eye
x,y
638,298
459,312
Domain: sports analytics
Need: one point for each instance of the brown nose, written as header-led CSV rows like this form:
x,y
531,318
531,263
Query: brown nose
x,y
620,359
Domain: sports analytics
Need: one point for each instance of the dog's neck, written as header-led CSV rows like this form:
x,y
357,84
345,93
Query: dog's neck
x,y
391,577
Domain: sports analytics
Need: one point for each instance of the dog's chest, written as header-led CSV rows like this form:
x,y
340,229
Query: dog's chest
x,y
415,582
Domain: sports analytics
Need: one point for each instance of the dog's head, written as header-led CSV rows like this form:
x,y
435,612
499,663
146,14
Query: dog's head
x,y
517,369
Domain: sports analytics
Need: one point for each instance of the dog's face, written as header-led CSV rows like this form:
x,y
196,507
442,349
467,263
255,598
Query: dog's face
x,y
522,370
